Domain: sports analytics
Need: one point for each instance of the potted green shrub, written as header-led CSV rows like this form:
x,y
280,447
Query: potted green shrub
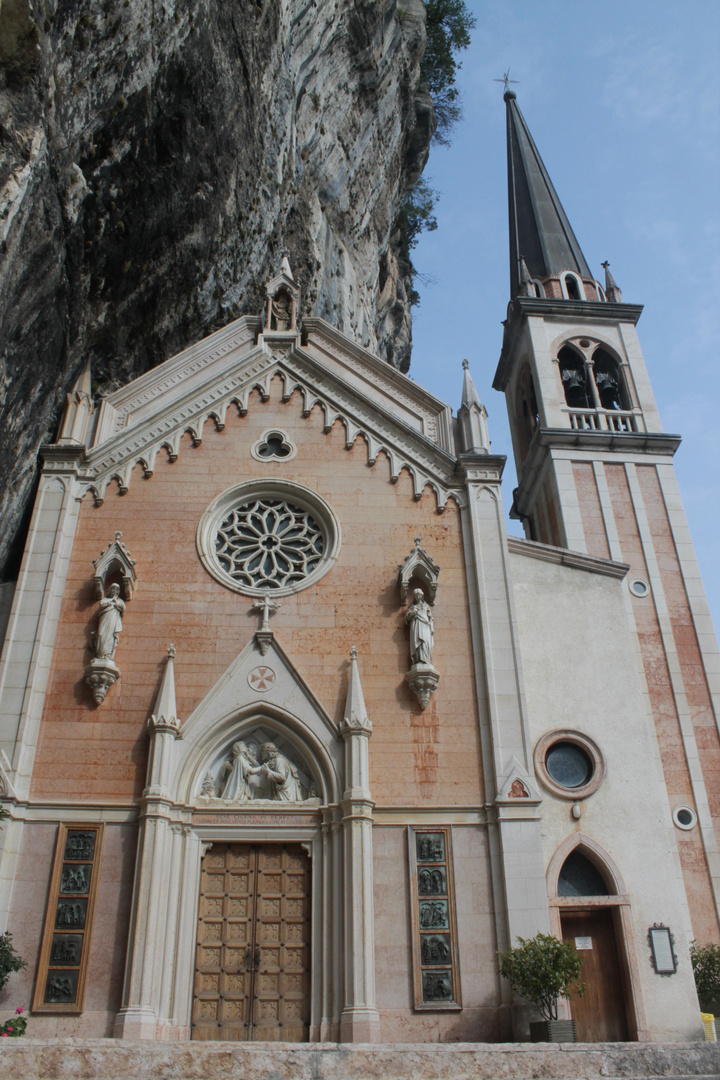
x,y
706,969
542,969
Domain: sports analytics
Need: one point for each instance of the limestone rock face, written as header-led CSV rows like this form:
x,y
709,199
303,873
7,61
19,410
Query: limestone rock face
x,y
156,158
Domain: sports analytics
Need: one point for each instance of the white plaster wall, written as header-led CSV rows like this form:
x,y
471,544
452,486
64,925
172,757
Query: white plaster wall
x,y
582,671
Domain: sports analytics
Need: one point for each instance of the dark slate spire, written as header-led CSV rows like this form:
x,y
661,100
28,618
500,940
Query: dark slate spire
x,y
540,232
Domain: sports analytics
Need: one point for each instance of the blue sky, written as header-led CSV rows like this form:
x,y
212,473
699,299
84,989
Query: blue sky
x,y
623,101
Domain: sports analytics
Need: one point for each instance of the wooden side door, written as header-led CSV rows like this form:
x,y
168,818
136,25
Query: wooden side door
x,y
252,977
281,999
600,1015
223,967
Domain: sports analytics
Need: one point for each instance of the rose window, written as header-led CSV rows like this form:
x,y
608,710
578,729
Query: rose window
x,y
269,544
268,536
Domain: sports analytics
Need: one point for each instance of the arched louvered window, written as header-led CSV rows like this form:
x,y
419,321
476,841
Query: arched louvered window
x,y
572,373
608,380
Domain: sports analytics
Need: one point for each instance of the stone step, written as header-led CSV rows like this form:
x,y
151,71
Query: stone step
x,y
109,1059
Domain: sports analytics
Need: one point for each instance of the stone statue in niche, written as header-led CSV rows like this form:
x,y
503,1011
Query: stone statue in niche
x,y
422,678
422,629
105,639
102,670
281,310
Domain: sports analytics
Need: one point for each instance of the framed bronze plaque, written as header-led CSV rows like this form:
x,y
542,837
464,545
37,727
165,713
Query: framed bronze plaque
x,y
60,984
436,969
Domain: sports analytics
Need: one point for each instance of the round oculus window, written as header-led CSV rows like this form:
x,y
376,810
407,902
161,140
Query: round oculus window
x,y
268,537
568,765
684,817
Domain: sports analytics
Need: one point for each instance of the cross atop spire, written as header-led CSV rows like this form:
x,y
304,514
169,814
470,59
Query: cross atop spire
x,y
540,233
506,80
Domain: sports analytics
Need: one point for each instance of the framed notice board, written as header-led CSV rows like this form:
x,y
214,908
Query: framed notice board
x,y
60,983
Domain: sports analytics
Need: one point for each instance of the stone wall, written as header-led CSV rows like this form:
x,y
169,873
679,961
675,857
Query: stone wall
x,y
105,1060
417,757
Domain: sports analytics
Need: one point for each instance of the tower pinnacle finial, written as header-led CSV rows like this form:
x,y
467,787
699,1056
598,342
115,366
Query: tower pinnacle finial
x,y
612,289
540,233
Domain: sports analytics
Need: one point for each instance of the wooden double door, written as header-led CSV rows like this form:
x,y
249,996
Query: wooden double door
x,y
600,1015
252,969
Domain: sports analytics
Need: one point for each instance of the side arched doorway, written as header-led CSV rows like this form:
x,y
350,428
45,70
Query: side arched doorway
x,y
590,909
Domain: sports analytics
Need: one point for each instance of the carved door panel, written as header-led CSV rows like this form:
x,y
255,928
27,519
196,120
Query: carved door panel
x,y
281,1005
223,976
252,978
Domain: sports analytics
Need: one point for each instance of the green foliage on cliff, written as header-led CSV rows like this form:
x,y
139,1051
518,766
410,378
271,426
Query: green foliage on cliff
x,y
417,216
448,25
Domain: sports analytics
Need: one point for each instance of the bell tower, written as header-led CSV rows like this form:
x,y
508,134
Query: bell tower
x,y
595,475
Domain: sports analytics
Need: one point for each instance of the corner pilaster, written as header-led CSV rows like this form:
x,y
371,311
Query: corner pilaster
x,y
154,891
518,874
360,1020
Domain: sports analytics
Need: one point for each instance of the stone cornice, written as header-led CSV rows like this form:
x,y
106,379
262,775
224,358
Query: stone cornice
x,y
633,442
436,414
481,468
427,463
175,371
625,444
563,557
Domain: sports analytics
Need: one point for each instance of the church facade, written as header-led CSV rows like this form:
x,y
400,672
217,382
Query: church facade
x,y
294,738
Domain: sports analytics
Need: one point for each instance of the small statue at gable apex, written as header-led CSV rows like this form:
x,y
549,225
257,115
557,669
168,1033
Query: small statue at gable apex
x,y
283,297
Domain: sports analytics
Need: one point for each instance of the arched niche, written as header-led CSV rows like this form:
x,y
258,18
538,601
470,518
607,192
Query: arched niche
x,y
318,761
573,377
608,379
572,286
232,765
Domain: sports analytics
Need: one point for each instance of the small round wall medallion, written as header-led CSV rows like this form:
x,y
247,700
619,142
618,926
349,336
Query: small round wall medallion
x,y
684,817
261,678
639,587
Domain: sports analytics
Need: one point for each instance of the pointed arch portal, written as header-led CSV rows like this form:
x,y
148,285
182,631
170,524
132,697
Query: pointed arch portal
x,y
254,867
590,908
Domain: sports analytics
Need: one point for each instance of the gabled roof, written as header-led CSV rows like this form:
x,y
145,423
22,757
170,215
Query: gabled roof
x,y
372,399
540,232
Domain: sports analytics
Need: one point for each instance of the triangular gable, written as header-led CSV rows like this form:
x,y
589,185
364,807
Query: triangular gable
x,y
235,689
517,784
257,685
372,400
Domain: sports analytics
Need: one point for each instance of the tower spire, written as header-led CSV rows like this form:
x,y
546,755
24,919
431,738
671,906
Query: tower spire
x,y
540,233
